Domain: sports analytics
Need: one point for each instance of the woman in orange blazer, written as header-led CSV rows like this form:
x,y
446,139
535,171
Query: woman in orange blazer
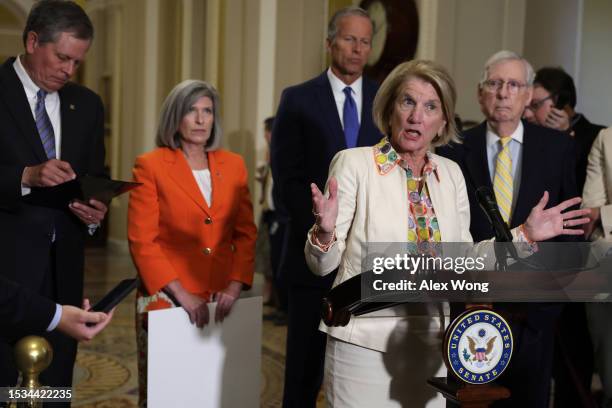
x,y
190,225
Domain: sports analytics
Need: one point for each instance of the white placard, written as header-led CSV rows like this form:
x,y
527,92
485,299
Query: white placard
x,y
218,366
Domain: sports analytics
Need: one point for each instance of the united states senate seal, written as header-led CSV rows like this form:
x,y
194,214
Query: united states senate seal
x,y
478,346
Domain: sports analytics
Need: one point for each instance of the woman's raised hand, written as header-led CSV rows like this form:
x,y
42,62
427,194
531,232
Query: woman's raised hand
x,y
546,224
325,209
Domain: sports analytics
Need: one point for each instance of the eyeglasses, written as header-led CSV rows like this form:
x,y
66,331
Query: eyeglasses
x,y
535,105
494,85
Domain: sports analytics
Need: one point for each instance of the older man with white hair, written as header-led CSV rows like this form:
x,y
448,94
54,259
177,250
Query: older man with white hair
x,y
518,161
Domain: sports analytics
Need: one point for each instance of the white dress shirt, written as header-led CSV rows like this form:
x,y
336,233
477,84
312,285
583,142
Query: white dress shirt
x,y
52,103
338,86
204,181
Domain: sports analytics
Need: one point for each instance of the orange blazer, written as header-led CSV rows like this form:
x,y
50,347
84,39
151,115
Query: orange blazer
x,y
174,234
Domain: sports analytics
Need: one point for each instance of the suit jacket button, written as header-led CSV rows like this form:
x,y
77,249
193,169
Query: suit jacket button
x,y
207,251
208,220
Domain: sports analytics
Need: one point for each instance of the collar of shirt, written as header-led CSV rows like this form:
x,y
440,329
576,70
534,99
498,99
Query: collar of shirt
x,y
516,153
31,89
338,86
517,135
52,101
387,158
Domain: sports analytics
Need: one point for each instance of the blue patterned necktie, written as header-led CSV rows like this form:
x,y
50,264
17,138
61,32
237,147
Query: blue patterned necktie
x,y
351,121
43,124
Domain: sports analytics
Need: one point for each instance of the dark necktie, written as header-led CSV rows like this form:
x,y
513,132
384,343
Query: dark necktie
x,y
43,124
351,121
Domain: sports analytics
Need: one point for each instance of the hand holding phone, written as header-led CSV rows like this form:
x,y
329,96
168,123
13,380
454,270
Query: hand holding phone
x,y
116,295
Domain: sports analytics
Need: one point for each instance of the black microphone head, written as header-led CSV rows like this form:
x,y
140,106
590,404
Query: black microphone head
x,y
487,202
486,198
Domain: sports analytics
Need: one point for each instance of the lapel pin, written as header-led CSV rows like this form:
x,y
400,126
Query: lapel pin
x,y
72,107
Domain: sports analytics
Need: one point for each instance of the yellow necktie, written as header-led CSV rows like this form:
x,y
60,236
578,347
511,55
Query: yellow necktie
x,y
502,182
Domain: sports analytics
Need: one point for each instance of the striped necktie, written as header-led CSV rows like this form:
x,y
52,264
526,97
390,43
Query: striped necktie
x,y
43,124
502,182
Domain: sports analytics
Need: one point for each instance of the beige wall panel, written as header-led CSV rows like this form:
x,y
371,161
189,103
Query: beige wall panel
x,y
552,33
594,85
170,35
467,33
300,38
132,137
12,20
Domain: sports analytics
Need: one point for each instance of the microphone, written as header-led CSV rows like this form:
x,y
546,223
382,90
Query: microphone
x,y
489,206
502,232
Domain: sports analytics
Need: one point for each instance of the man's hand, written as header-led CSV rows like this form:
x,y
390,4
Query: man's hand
x,y
74,322
48,174
558,119
93,213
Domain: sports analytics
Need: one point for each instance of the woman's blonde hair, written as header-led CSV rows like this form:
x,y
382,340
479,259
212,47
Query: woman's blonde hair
x,y
430,72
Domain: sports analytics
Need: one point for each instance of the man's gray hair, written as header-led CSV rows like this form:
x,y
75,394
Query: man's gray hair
x,y
332,27
505,55
177,104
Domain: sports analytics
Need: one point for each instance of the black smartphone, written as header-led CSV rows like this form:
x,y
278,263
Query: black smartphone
x,y
116,295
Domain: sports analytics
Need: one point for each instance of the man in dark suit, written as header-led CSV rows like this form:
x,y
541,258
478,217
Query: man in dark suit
x,y
51,131
315,120
553,105
518,161
23,312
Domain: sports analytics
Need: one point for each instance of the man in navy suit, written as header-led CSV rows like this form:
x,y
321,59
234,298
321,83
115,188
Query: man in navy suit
x,y
51,131
542,159
314,121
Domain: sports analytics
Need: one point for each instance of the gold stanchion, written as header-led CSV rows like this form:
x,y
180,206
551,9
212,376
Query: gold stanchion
x,y
33,355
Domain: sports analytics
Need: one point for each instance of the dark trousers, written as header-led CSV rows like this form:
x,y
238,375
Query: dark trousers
x,y
305,347
59,373
529,374
573,362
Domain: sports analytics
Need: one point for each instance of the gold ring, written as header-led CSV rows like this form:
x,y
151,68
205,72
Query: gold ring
x,y
316,214
564,224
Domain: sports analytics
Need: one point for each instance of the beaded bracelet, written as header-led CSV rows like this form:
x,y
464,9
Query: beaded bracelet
x,y
315,239
529,240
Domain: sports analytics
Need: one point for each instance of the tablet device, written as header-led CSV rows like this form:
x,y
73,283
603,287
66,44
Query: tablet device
x,y
81,189
116,295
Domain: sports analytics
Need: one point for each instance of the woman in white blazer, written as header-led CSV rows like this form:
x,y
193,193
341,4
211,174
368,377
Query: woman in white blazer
x,y
397,191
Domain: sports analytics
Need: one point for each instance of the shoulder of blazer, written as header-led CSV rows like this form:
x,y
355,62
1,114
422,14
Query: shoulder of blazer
x,y
546,138
157,156
370,87
446,164
471,136
75,91
307,86
7,72
9,81
226,155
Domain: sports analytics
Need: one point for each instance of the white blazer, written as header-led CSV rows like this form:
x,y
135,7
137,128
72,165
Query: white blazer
x,y
373,206
598,186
